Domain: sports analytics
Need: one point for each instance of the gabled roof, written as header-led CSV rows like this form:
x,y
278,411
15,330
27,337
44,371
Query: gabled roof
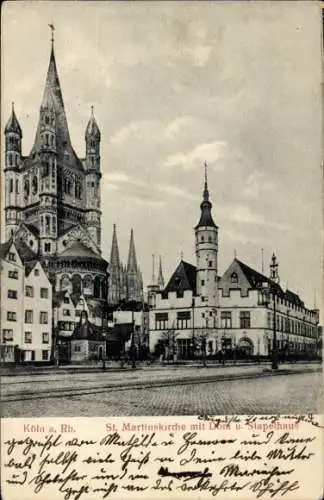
x,y
294,297
4,248
79,251
34,230
256,279
25,253
183,278
66,229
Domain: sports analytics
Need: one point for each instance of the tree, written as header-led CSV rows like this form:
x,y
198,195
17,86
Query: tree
x,y
169,342
200,344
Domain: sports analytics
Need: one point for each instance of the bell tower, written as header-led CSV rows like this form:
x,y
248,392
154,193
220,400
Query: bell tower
x,y
93,176
13,136
206,234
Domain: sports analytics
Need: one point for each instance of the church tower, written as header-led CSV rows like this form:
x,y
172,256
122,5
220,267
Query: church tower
x,y
115,290
13,136
206,233
133,274
93,176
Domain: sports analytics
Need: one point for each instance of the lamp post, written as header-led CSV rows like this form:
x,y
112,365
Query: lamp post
x,y
267,295
193,329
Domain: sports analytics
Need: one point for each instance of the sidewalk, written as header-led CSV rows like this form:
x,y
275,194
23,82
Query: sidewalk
x,y
114,366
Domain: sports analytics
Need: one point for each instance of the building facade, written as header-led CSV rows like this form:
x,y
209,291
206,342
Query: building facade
x,y
239,312
53,204
26,307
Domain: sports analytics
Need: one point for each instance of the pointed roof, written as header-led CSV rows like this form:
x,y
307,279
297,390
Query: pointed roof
x,y
256,279
4,248
79,251
132,262
183,278
52,97
92,129
114,253
160,280
13,123
206,219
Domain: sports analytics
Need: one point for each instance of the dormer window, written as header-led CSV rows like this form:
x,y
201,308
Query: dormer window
x,y
234,278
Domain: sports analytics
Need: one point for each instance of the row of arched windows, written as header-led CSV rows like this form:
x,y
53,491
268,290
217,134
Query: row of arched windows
x,y
97,287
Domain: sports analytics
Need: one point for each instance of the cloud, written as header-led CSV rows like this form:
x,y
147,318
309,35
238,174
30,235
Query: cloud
x,y
179,124
243,214
175,191
122,177
256,184
140,129
210,152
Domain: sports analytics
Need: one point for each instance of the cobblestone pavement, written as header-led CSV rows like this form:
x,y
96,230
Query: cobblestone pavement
x,y
298,394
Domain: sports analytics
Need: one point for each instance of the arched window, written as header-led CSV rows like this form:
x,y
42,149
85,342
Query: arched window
x,y
47,120
10,186
234,278
76,283
34,185
10,160
202,239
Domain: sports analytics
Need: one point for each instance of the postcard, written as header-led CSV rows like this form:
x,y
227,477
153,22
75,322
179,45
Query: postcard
x,y
161,250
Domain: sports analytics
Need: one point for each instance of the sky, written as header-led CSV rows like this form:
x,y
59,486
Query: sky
x,y
173,85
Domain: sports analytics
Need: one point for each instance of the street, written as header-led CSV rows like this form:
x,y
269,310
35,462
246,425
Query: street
x,y
183,391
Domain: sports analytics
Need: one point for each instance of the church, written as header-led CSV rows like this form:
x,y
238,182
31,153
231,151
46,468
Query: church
x,y
241,313
53,208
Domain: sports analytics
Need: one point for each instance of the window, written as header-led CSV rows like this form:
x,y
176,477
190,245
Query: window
x,y
36,272
202,282
183,318
28,337
12,256
77,348
11,316
210,263
44,293
78,313
7,335
66,300
161,321
44,355
234,278
13,275
12,294
11,181
28,316
202,239
43,318
29,291
47,247
66,312
210,239
203,299
45,337
226,319
245,319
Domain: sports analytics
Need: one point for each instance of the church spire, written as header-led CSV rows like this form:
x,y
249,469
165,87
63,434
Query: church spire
x,y
114,253
13,123
206,219
132,261
160,280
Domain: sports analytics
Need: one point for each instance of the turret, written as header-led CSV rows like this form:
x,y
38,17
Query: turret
x,y
13,136
206,233
274,275
93,176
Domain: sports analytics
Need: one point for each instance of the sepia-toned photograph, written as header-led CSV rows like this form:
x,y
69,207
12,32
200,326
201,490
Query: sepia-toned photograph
x,y
161,189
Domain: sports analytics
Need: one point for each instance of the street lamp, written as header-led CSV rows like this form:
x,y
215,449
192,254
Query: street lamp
x,y
267,295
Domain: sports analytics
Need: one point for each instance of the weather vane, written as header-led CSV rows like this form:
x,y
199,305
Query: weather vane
x,y
52,27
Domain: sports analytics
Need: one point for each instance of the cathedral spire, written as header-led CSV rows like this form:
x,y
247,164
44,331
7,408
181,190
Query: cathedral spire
x,y
114,253
206,219
132,261
160,280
